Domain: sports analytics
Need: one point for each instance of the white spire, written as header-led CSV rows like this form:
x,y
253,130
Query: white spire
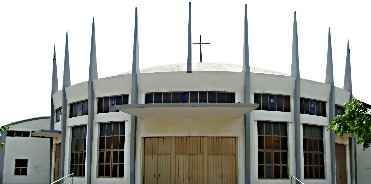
x,y
135,65
329,67
348,72
66,72
295,71
189,57
93,73
246,44
54,75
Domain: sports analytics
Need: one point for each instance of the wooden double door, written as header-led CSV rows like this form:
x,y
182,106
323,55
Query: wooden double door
x,y
341,166
190,160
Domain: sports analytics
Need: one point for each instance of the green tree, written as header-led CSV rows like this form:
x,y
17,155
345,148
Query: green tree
x,y
356,121
3,129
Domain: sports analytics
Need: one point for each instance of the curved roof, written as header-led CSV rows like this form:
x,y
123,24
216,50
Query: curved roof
x,y
205,67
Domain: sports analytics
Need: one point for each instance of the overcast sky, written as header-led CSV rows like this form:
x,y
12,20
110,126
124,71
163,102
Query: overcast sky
x,y
29,29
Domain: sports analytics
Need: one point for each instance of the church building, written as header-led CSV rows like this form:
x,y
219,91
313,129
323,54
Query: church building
x,y
188,123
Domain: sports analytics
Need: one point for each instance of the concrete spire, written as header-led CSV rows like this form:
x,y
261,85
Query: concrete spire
x,y
134,99
246,44
348,72
135,66
93,73
246,70
295,71
329,67
189,57
54,75
331,102
66,72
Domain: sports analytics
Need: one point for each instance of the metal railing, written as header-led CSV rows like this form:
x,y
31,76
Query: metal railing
x,y
65,180
295,179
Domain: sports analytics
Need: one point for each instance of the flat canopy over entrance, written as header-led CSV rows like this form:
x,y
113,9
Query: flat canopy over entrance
x,y
173,110
47,133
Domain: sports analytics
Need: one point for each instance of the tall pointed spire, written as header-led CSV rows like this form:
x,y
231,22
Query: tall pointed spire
x,y
348,72
189,57
66,72
246,44
329,67
295,71
54,75
93,73
135,66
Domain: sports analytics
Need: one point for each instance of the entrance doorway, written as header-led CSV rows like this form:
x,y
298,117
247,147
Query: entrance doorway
x,y
341,166
190,160
57,162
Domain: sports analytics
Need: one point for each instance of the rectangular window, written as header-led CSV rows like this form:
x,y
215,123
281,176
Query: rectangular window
x,y
78,150
314,166
272,150
339,110
20,168
16,133
272,102
111,149
107,104
190,97
58,114
312,107
78,108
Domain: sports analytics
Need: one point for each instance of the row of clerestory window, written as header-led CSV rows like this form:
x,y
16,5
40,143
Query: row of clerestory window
x,y
266,101
190,97
276,102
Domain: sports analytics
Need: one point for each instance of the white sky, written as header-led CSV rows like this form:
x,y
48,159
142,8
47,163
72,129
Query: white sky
x,y
28,30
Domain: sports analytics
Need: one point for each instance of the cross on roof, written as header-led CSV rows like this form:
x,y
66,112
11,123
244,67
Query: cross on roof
x,y
200,43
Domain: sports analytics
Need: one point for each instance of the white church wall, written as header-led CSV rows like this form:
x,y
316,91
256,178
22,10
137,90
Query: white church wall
x,y
363,165
77,92
197,81
315,90
207,126
36,150
273,84
116,85
341,96
32,125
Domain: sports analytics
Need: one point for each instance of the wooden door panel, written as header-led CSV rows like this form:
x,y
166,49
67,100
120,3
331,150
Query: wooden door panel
x,y
150,169
182,167
57,162
341,171
190,160
163,169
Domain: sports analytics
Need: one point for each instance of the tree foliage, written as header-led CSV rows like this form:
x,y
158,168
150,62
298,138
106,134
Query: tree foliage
x,y
356,121
3,129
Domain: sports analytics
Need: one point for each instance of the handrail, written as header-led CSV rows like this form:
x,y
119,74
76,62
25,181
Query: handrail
x,y
70,175
291,176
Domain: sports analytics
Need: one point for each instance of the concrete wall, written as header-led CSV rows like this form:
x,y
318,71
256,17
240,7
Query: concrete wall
x,y
363,165
207,126
36,150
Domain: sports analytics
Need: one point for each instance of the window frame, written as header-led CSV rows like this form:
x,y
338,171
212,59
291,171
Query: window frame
x,y
267,97
74,106
309,141
21,168
76,140
264,150
305,107
103,100
103,150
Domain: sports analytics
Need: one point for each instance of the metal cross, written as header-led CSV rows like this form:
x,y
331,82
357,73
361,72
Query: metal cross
x,y
200,48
